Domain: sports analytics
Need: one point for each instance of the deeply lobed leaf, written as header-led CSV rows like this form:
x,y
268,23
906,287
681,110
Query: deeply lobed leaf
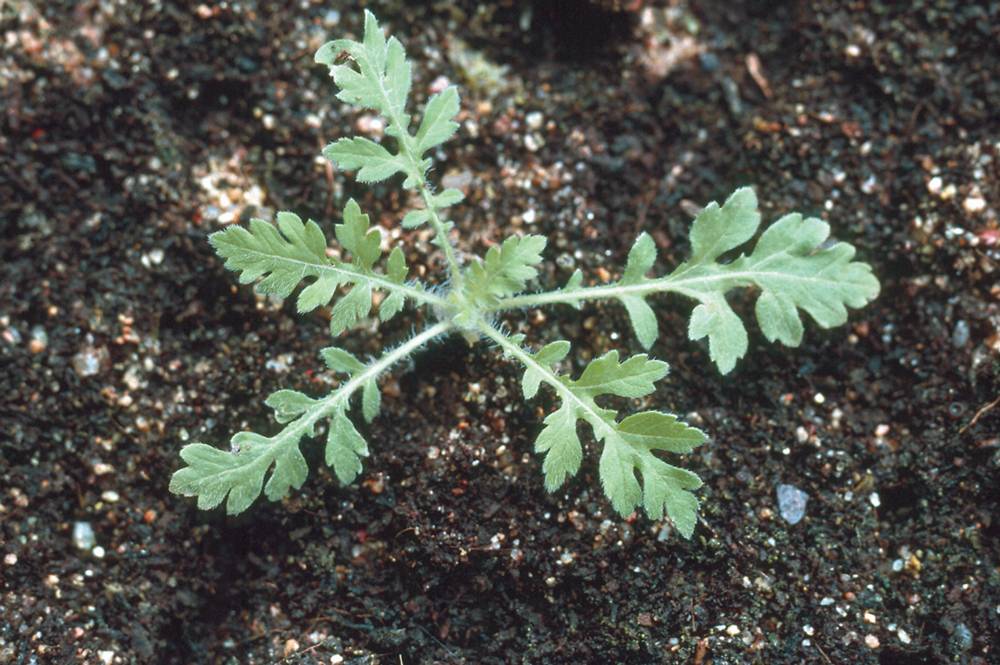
x,y
629,444
505,270
212,474
791,266
282,256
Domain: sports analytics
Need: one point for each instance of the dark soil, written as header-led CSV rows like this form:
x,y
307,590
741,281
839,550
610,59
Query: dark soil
x,y
128,129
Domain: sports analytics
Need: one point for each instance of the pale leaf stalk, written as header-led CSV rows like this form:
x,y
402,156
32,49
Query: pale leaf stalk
x,y
415,291
600,425
674,283
327,405
415,171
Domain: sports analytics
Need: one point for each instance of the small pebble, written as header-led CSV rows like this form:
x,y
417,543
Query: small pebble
x,y
110,496
10,559
331,18
903,636
871,642
534,120
961,638
89,360
974,203
792,503
960,335
83,535
152,258
39,340
98,552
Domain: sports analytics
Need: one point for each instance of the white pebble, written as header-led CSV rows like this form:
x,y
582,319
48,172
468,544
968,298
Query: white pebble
x,y
83,535
974,204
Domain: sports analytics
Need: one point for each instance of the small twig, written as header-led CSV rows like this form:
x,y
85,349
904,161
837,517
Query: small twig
x,y
823,653
979,414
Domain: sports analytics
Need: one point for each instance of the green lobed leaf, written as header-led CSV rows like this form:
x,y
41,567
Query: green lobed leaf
x,y
437,125
339,360
643,319
345,448
415,218
288,404
617,471
792,270
357,237
391,306
397,75
318,294
371,400
640,260
447,198
351,308
791,266
717,230
382,79
667,489
574,282
727,338
655,430
282,258
373,161
629,445
505,270
633,377
561,445
547,356
396,271
212,474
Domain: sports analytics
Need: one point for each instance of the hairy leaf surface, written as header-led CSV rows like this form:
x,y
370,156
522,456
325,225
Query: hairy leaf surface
x,y
506,269
629,444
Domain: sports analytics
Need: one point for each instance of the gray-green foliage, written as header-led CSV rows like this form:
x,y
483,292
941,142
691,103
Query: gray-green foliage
x,y
791,267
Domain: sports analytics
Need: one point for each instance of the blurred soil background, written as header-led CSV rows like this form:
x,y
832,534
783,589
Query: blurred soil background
x,y
131,130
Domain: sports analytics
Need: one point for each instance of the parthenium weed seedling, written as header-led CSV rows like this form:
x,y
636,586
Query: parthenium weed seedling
x,y
792,266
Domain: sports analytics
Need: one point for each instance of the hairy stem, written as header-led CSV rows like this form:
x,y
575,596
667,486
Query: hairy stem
x,y
328,404
687,286
600,426
406,148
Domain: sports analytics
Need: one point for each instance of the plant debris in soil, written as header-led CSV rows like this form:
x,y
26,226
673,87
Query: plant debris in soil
x,y
850,507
